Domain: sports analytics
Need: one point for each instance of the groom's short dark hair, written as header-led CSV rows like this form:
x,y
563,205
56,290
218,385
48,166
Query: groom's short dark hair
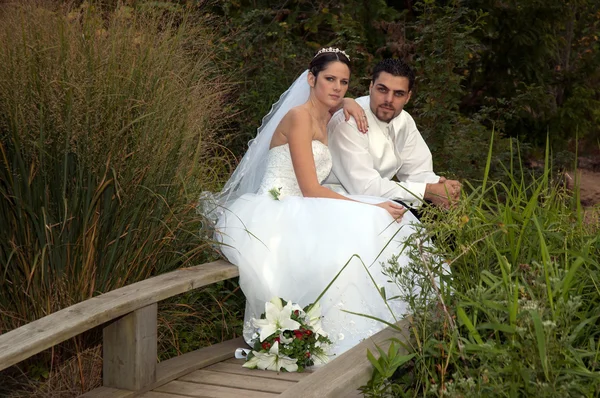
x,y
395,67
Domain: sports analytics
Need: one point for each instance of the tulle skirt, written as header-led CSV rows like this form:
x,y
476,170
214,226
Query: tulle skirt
x,y
294,247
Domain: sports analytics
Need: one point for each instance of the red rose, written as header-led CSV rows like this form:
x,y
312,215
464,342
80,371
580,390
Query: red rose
x,y
307,332
297,313
298,334
277,339
266,345
307,354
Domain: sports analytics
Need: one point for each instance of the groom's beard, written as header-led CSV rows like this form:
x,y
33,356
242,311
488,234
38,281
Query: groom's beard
x,y
386,112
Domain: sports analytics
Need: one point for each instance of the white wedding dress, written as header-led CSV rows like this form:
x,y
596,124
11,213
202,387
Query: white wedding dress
x,y
294,246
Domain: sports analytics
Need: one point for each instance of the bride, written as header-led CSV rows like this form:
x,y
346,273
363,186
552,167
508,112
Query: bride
x,y
290,236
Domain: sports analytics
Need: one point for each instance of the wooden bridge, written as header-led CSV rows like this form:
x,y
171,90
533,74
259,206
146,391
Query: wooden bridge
x,y
129,319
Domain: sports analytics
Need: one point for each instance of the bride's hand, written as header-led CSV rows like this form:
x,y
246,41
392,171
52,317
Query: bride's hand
x,y
395,210
351,108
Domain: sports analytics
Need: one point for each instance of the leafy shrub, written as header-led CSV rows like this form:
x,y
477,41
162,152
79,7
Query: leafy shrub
x,y
526,69
268,44
519,313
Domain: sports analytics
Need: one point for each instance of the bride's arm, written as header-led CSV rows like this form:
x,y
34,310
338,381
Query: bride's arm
x,y
351,108
300,139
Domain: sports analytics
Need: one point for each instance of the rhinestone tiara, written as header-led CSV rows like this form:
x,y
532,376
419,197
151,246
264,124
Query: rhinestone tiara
x,y
331,50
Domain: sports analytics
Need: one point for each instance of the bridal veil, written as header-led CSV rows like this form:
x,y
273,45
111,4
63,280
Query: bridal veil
x,y
249,173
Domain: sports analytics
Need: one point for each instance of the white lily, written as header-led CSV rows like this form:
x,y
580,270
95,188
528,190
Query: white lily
x,y
278,319
276,301
285,340
271,361
252,362
313,316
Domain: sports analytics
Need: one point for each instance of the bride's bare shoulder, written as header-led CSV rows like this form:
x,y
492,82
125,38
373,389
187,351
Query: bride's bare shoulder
x,y
298,114
297,118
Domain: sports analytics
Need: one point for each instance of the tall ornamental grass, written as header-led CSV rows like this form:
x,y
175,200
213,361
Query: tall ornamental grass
x,y
519,313
107,136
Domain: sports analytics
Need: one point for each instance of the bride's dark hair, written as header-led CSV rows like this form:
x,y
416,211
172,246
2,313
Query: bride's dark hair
x,y
320,61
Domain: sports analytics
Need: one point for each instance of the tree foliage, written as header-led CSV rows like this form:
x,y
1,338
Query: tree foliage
x,y
525,68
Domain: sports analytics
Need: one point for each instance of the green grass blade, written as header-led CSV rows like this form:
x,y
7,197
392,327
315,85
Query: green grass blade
x,y
540,337
546,264
467,322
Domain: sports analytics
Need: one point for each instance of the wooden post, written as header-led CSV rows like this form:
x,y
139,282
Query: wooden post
x,y
129,350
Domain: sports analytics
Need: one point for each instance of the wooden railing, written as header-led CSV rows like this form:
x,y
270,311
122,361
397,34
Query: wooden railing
x,y
129,319
130,315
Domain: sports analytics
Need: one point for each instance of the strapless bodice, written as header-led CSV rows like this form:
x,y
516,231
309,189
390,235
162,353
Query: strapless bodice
x,y
279,173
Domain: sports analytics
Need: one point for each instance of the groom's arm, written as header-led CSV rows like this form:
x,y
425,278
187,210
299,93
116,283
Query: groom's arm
x,y
417,162
417,166
353,166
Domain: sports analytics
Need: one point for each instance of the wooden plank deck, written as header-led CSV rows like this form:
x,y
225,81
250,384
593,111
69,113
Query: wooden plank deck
x,y
228,379
225,379
213,372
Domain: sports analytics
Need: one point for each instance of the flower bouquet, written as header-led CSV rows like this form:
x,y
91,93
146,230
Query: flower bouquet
x,y
288,338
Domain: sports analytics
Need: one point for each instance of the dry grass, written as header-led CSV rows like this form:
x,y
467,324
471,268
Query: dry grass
x,y
107,136
592,217
71,378
128,87
109,125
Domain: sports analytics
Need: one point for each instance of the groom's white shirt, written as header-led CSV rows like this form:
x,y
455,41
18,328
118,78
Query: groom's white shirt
x,y
364,164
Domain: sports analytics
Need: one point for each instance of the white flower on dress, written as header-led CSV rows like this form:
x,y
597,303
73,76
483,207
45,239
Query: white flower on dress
x,y
271,361
278,318
275,193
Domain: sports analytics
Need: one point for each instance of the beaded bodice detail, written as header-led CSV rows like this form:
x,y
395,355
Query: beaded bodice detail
x,y
280,175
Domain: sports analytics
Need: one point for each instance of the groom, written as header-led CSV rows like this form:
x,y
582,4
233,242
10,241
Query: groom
x,y
364,164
